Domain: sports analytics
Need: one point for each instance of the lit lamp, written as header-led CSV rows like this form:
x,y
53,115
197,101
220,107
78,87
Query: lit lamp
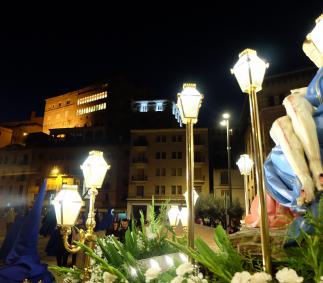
x,y
245,165
313,45
189,102
249,72
226,123
195,197
173,215
68,204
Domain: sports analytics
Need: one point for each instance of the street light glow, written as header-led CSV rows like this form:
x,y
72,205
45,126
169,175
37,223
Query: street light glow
x,y
226,116
223,123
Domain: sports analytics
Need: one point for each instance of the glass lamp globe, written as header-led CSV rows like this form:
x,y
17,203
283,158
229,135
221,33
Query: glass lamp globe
x,y
183,215
249,71
189,102
173,215
245,164
195,197
94,169
67,204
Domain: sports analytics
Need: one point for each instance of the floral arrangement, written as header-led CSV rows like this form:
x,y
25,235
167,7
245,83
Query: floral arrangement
x,y
113,261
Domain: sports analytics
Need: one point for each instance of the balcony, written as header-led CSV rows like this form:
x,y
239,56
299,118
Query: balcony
x,y
140,178
199,179
140,160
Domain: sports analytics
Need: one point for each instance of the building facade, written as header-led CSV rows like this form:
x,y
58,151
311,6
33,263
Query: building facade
x,y
158,167
17,132
81,108
221,185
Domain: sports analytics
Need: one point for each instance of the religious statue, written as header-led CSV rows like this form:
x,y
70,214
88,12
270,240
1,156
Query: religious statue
x,y
293,169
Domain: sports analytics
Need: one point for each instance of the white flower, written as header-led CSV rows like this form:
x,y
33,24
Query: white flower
x,y
177,279
150,235
152,273
287,275
184,268
140,244
321,279
108,277
241,277
260,277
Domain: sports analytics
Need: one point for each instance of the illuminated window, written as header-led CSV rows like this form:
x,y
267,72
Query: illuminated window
x,y
159,106
144,107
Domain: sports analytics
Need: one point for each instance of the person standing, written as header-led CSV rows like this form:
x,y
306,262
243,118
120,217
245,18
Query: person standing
x,y
113,230
123,230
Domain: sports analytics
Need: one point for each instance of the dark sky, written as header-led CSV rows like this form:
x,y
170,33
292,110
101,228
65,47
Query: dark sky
x,y
48,52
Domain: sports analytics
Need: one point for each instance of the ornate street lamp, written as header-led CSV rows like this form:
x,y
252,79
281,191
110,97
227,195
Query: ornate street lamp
x,y
245,165
68,204
189,102
226,123
249,72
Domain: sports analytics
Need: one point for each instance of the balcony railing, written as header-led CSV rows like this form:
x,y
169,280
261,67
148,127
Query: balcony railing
x,y
139,178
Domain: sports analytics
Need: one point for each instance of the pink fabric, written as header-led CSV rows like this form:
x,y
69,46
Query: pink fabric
x,y
278,216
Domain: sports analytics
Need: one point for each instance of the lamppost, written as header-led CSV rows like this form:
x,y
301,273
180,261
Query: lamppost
x,y
68,204
245,165
226,123
189,102
249,72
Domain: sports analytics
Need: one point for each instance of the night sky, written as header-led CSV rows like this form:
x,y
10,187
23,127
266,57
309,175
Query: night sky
x,y
46,53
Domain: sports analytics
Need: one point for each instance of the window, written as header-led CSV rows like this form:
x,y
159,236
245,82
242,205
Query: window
x,y
157,190
159,106
173,171
179,138
157,172
5,161
179,190
143,107
224,178
21,189
162,190
163,172
173,138
68,102
140,191
179,172
161,139
179,155
163,155
173,190
173,155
